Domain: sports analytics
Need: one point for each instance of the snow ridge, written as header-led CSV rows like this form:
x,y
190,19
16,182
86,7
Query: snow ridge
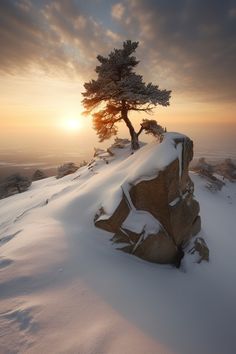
x,y
64,289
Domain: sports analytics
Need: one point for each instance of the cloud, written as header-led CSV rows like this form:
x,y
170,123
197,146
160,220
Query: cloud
x,y
192,42
56,37
117,11
114,36
186,45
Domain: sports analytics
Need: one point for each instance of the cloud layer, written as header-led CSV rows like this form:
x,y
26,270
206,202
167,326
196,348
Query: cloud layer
x,y
186,45
194,40
50,35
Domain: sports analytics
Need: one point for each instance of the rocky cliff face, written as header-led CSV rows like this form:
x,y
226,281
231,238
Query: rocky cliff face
x,y
157,215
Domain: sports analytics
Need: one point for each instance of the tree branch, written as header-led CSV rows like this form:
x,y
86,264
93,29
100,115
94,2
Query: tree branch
x,y
140,131
115,121
141,109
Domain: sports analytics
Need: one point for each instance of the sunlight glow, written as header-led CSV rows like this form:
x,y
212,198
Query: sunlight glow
x,y
72,124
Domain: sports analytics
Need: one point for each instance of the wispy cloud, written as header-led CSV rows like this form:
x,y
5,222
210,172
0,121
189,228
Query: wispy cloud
x,y
192,42
118,11
186,45
53,36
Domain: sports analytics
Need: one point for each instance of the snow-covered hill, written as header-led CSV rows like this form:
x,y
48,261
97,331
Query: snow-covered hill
x,y
66,289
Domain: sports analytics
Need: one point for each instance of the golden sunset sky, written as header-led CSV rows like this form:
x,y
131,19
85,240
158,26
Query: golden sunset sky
x,y
49,49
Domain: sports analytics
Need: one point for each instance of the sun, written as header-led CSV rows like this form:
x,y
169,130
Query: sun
x,y
72,124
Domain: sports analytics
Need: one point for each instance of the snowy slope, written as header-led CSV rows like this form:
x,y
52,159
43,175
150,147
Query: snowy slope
x,y
65,289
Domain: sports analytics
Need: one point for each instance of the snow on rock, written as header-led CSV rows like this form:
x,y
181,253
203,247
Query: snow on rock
x,y
139,221
65,289
155,209
144,164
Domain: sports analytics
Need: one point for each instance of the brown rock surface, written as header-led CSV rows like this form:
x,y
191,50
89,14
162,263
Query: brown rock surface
x,y
202,249
168,197
199,249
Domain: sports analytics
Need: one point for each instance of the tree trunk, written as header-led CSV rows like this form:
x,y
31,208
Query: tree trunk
x,y
135,142
133,134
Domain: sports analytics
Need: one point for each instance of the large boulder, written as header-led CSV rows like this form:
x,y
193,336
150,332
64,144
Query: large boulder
x,y
157,215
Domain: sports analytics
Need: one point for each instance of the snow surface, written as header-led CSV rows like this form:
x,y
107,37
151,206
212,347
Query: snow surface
x,y
65,289
141,221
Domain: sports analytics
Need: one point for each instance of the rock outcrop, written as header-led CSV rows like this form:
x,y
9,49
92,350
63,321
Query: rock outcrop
x,y
201,248
157,215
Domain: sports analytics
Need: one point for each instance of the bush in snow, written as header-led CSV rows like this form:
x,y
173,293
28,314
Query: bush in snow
x,y
66,169
227,169
37,175
120,143
214,184
83,163
150,126
203,165
14,184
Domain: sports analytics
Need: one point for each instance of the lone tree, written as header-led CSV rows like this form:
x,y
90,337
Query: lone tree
x,y
119,90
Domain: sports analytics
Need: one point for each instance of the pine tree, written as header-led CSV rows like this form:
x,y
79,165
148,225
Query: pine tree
x,y
119,90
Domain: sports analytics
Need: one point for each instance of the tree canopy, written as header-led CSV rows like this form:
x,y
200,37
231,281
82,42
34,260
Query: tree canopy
x,y
119,90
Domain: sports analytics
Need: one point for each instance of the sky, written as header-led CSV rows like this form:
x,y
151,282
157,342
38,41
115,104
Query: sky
x,y
49,48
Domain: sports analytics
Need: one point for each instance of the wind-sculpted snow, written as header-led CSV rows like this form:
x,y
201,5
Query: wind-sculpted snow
x,y
65,289
143,165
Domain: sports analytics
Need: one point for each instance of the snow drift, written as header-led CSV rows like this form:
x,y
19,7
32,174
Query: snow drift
x,y
65,289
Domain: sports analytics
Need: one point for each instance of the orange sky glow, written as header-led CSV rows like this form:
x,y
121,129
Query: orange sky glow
x,y
42,73
39,108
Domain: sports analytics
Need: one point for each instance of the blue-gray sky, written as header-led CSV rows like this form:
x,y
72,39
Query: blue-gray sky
x,y
186,45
